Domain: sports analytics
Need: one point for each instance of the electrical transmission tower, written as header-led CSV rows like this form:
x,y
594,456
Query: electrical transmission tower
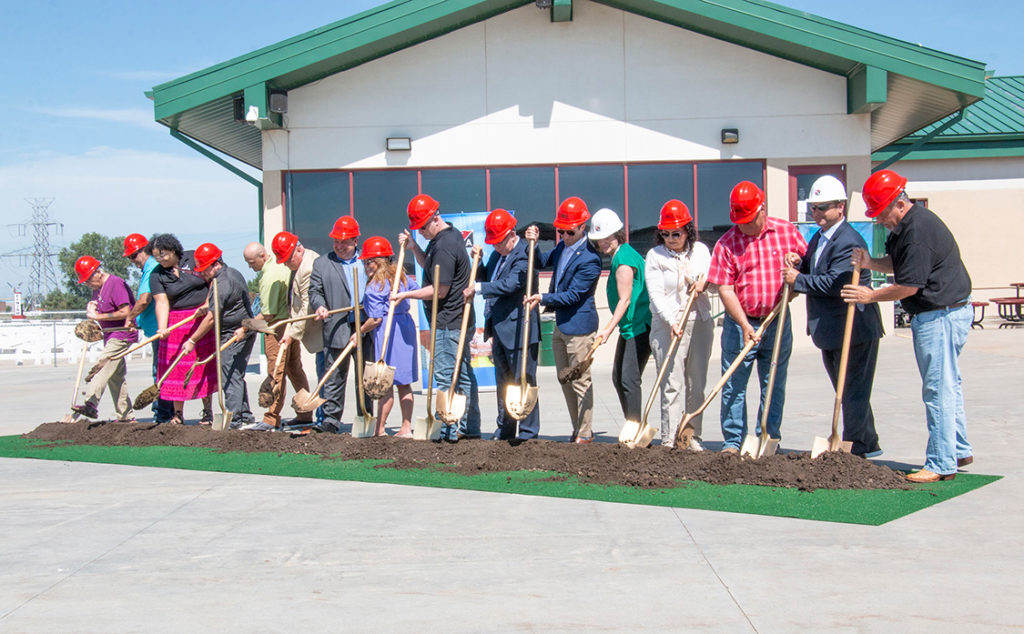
x,y
44,275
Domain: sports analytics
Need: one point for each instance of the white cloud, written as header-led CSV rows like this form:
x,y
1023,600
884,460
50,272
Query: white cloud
x,y
140,117
118,191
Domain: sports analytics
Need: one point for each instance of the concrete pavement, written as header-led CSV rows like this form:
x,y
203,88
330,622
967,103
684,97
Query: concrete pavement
x,y
101,548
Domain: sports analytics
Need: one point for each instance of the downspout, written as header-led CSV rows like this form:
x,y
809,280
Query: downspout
x,y
228,166
918,143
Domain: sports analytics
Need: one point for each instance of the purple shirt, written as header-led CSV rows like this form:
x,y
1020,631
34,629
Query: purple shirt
x,y
112,295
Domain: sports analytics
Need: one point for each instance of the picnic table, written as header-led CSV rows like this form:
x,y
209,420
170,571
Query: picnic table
x,y
1017,286
1010,308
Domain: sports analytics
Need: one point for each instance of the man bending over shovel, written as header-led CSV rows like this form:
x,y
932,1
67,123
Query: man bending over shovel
x,y
273,295
111,303
747,265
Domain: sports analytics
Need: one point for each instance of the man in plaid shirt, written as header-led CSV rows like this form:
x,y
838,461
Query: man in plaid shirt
x,y
747,265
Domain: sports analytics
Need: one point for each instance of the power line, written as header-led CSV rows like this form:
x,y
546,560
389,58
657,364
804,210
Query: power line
x,y
43,278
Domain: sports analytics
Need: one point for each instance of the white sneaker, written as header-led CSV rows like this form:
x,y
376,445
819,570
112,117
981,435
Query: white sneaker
x,y
695,445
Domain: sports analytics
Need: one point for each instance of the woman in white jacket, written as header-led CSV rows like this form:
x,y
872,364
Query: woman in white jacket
x,y
671,268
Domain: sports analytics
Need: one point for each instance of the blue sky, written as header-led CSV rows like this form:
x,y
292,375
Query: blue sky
x,y
78,127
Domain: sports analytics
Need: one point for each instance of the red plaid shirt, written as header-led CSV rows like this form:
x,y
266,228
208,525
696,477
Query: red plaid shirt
x,y
752,265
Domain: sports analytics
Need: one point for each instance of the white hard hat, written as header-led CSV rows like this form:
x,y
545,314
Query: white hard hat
x,y
603,224
827,189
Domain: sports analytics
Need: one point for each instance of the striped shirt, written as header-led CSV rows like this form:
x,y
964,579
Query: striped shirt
x,y
752,265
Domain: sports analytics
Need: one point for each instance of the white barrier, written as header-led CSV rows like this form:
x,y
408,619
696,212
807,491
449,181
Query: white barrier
x,y
50,341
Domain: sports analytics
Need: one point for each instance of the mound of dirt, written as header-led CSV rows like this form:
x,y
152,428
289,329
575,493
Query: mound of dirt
x,y
599,462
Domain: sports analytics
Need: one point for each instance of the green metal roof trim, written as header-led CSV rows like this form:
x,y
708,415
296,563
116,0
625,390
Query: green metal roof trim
x,y
952,81
993,127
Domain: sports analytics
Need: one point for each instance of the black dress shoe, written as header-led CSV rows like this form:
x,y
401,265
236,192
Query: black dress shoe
x,y
463,436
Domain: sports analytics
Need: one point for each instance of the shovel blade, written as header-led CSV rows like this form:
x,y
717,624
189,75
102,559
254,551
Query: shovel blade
x,y
304,401
378,379
363,427
450,407
426,428
220,423
753,447
821,445
146,397
629,432
518,402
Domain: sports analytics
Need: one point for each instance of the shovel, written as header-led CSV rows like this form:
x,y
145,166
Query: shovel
x,y
428,428
685,431
270,388
576,370
641,434
761,446
120,355
835,442
260,325
521,399
197,364
225,416
152,392
378,378
304,401
363,426
90,331
70,418
451,405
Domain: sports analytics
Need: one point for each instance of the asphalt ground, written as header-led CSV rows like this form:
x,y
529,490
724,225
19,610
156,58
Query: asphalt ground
x,y
101,548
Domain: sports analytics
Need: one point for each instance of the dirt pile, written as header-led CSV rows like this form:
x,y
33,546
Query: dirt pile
x,y
599,463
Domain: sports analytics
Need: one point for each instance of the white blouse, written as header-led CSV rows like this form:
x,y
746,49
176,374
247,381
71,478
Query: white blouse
x,y
669,276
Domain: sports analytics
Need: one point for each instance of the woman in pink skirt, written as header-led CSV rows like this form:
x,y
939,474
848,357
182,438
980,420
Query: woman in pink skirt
x,y
178,292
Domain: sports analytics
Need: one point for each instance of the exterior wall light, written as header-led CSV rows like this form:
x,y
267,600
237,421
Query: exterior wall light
x,y
730,136
398,144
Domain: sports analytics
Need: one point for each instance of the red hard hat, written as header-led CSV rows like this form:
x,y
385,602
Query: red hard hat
x,y
376,247
85,266
206,254
571,213
344,228
133,243
421,209
498,225
880,189
744,202
674,215
284,245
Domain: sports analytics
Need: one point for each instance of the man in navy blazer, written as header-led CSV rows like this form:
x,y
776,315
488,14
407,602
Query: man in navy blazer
x,y
503,294
577,268
821,276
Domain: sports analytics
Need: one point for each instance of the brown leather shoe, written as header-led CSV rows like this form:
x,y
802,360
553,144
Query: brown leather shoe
x,y
925,476
963,462
584,441
732,450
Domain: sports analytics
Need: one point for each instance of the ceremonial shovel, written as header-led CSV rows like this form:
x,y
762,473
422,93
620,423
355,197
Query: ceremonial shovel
x,y
835,442
450,404
761,446
640,434
428,428
70,418
120,355
225,415
151,393
521,399
260,325
304,401
576,370
90,331
363,426
198,364
271,386
378,378
685,431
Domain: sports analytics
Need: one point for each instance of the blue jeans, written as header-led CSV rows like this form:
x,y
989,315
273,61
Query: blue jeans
x,y
444,363
734,393
939,336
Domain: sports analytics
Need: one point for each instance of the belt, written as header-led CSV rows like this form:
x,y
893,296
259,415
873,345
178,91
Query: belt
x,y
954,306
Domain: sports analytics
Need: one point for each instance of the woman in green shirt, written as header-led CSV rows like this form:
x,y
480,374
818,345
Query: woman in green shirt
x,y
631,310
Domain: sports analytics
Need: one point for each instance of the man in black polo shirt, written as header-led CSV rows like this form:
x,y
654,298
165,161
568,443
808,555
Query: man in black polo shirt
x,y
446,248
933,286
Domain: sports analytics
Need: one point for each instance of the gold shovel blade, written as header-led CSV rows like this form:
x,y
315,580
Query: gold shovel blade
x,y
821,445
363,426
378,379
753,447
629,432
424,428
519,403
450,407
304,401
146,397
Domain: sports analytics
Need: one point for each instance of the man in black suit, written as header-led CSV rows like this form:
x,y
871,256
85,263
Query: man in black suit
x,y
503,294
821,276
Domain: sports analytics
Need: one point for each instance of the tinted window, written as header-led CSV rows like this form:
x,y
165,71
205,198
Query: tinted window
x,y
460,190
598,185
380,200
530,192
650,187
714,184
315,201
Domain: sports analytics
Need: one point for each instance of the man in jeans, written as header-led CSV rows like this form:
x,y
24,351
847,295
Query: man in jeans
x,y
446,248
139,253
747,265
934,288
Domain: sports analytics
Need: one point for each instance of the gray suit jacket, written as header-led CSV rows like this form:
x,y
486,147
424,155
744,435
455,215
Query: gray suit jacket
x,y
330,287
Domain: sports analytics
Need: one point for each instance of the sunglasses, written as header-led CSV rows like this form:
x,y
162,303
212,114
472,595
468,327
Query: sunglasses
x,y
566,232
822,207
675,235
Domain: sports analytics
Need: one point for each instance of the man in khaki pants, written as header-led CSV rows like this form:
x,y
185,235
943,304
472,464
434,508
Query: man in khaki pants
x,y
273,308
577,268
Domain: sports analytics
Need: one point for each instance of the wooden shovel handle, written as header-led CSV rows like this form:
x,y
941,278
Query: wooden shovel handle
x,y
681,324
149,340
776,347
167,372
433,341
78,377
275,325
391,309
223,347
526,314
360,405
465,324
334,366
844,358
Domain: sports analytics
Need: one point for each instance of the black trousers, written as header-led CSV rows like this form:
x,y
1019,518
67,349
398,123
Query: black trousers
x,y
334,388
507,364
858,419
631,357
233,362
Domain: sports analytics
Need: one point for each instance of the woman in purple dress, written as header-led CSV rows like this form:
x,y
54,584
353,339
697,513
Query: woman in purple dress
x,y
401,353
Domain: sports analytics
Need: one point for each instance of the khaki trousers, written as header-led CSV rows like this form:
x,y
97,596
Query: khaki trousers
x,y
579,394
112,376
291,367
682,389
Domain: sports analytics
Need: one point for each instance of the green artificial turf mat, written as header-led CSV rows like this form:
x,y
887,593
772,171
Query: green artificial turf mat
x,y
871,507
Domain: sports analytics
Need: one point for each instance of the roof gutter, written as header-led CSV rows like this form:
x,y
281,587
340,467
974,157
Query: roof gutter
x,y
228,166
918,143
